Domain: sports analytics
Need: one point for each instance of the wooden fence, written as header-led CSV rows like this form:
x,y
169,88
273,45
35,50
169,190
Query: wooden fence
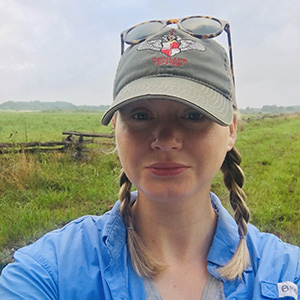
x,y
74,141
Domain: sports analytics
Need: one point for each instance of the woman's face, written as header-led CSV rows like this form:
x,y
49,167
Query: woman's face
x,y
168,150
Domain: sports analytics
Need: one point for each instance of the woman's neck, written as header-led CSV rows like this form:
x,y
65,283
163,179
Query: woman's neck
x,y
177,232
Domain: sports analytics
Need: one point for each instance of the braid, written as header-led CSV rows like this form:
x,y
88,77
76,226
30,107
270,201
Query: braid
x,y
142,260
125,199
234,181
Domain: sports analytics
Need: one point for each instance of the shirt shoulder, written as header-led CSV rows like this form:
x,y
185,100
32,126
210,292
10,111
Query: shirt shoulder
x,y
275,264
268,252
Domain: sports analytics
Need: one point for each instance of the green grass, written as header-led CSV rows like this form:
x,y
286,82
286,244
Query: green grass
x,y
55,190
271,151
271,162
44,191
46,126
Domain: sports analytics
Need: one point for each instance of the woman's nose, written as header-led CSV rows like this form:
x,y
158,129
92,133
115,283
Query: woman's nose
x,y
167,137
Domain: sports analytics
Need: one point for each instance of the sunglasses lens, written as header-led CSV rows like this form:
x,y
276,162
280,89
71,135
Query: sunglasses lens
x,y
201,26
143,31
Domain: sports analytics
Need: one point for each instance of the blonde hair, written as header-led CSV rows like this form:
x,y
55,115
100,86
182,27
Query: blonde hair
x,y
147,266
234,181
143,262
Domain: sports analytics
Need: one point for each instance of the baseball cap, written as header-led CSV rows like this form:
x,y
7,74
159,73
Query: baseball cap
x,y
173,65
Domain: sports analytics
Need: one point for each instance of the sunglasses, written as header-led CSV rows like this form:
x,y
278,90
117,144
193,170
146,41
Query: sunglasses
x,y
202,27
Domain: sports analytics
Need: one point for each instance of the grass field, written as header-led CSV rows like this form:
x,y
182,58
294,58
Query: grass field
x,y
46,126
44,191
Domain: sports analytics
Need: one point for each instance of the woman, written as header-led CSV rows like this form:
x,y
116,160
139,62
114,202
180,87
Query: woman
x,y
175,125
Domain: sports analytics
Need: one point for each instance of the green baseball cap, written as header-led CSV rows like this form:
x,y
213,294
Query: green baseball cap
x,y
176,66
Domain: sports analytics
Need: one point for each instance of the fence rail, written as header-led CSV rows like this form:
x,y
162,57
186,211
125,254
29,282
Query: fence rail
x,y
86,134
75,141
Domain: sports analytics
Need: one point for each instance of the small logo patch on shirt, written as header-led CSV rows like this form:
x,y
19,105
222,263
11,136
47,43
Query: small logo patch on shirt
x,y
287,289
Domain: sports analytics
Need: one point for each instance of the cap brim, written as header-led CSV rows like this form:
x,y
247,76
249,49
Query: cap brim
x,y
210,102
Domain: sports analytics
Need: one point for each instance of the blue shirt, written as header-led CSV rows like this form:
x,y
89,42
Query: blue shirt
x,y
88,259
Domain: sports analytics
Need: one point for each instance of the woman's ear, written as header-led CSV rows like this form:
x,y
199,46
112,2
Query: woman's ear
x,y
113,122
113,119
232,134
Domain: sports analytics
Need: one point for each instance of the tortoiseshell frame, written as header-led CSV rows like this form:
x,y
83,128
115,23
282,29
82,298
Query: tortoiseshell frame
x,y
224,27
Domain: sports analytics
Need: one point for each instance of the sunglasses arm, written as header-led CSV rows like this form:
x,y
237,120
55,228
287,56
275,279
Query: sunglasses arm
x,y
122,44
227,29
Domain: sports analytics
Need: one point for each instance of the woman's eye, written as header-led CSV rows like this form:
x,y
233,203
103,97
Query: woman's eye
x,y
194,116
141,116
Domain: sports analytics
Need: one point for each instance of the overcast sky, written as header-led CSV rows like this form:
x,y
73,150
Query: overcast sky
x,y
68,50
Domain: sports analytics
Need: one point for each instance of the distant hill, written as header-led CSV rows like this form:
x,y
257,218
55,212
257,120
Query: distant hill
x,y
46,106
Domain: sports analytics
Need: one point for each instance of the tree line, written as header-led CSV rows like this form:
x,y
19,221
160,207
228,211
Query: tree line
x,y
271,109
67,106
49,106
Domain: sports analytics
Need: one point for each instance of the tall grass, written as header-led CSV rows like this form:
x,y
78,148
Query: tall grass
x,y
271,151
40,193
37,194
46,126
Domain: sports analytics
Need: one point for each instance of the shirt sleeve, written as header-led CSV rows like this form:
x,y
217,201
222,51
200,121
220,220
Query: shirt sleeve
x,y
26,279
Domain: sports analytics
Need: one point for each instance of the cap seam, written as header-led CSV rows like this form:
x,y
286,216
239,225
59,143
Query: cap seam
x,y
229,82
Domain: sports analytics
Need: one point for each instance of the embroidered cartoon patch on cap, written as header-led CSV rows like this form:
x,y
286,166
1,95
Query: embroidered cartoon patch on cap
x,y
171,44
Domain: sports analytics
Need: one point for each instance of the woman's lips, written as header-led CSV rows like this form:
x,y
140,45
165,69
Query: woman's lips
x,y
167,168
